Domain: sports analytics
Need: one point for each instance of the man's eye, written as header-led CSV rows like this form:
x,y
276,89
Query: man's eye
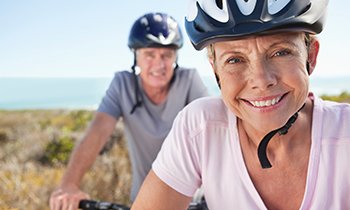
x,y
168,56
150,56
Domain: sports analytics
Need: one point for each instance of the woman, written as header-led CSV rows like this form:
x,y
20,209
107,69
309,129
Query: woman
x,y
267,143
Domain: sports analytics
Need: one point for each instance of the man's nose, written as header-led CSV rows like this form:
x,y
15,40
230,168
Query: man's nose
x,y
159,62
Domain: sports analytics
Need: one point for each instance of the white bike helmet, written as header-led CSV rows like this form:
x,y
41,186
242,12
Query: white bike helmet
x,y
212,20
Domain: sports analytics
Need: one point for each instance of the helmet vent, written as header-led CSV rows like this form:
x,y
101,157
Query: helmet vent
x,y
305,9
275,6
219,3
246,6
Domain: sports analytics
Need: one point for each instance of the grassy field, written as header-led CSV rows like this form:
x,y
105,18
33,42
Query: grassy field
x,y
35,146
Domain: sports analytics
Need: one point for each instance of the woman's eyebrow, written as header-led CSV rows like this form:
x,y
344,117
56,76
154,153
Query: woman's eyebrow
x,y
284,42
229,53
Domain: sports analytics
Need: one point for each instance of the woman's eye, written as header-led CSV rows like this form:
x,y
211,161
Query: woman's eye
x,y
234,60
282,53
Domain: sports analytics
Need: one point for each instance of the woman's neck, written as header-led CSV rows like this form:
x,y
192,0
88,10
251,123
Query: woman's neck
x,y
296,135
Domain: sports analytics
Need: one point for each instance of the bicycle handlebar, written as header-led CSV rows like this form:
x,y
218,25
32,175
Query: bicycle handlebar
x,y
100,205
103,205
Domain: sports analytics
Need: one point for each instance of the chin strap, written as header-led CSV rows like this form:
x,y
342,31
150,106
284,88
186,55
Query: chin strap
x,y
264,161
138,97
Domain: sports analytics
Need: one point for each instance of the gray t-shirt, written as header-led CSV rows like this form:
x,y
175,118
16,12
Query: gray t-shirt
x,y
147,127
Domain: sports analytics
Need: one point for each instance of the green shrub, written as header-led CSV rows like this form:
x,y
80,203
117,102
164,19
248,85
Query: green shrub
x,y
3,136
72,121
81,119
58,151
342,97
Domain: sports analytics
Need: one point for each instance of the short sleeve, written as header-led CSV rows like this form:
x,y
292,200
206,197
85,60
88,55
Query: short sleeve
x,y
177,163
110,102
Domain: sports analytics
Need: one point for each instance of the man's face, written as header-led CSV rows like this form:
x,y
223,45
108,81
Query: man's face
x,y
157,66
263,79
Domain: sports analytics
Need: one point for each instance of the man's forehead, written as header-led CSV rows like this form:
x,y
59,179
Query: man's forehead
x,y
156,50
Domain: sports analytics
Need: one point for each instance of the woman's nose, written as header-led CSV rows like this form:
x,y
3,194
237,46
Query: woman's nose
x,y
262,76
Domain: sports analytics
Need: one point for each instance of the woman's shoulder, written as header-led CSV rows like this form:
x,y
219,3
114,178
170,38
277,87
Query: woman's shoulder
x,y
331,109
333,118
207,110
204,103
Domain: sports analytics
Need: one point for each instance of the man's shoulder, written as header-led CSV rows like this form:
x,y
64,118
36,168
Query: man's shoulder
x,y
186,71
186,75
123,73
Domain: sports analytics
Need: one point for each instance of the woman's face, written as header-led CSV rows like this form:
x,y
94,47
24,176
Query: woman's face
x,y
263,79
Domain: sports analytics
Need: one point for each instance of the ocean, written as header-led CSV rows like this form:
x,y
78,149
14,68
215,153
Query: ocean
x,y
86,93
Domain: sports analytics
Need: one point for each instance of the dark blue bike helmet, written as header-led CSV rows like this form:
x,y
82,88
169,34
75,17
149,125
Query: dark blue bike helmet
x,y
155,30
214,20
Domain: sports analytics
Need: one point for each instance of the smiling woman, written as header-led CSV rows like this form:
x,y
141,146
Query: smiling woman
x,y
264,69
268,136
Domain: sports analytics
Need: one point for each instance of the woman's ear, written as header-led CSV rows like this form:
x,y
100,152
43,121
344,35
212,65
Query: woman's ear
x,y
312,55
212,64
211,58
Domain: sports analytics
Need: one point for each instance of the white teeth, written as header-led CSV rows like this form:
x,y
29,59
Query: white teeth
x,y
265,103
155,73
273,101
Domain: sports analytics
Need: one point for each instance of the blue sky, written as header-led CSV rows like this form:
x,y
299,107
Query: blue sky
x,y
81,38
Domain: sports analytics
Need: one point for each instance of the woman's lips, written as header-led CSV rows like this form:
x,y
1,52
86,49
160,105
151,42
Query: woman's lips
x,y
266,102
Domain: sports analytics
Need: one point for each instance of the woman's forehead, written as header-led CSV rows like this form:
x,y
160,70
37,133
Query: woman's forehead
x,y
263,39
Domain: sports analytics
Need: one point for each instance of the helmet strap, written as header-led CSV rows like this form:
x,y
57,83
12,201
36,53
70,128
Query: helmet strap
x,y
264,161
217,80
308,67
138,97
176,66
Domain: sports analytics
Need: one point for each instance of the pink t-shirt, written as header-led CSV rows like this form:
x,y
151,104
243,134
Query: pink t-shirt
x,y
203,149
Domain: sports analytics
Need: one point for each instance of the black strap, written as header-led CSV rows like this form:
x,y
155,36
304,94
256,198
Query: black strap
x,y
262,148
138,102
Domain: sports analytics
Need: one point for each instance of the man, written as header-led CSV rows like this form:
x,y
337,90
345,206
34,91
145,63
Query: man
x,y
148,103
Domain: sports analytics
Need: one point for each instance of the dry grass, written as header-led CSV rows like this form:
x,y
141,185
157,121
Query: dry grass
x,y
26,183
